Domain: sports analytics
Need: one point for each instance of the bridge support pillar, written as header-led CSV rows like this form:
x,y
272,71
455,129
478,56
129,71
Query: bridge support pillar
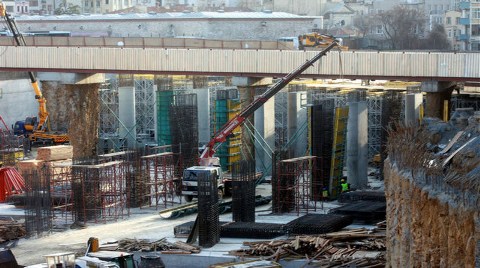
x,y
73,104
263,118
437,93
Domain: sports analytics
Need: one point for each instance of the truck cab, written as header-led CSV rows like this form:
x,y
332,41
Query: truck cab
x,y
190,180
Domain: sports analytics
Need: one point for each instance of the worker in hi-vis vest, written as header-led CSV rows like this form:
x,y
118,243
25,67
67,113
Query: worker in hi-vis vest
x,y
344,186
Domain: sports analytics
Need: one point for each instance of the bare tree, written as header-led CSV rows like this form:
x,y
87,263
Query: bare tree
x,y
437,39
403,26
364,23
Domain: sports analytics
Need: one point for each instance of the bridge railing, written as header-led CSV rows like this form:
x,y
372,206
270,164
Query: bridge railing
x,y
146,42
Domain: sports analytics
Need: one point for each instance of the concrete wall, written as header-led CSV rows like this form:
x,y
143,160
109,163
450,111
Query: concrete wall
x,y
17,101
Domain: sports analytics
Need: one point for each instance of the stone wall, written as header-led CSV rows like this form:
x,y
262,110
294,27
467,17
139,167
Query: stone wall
x,y
209,28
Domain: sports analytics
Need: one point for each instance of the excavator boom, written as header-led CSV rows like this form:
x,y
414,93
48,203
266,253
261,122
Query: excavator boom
x,y
238,120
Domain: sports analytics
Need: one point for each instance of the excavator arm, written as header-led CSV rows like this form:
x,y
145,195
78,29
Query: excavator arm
x,y
238,120
42,102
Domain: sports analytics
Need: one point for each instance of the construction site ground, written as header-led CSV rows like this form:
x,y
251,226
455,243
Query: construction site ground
x,y
145,223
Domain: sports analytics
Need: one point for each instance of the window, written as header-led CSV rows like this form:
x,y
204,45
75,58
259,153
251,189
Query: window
x,y
457,20
106,2
449,20
475,12
379,29
450,33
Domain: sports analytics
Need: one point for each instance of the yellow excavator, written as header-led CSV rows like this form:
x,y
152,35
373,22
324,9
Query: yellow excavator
x,y
315,40
36,129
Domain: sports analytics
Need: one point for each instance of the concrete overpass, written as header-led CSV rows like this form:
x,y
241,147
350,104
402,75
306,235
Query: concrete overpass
x,y
406,66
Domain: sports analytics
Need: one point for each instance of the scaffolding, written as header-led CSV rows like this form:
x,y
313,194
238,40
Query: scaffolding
x,y
296,186
281,118
375,104
10,145
164,179
60,177
109,139
99,190
144,109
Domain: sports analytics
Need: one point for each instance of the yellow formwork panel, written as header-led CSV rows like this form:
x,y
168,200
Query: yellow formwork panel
x,y
234,149
233,107
338,149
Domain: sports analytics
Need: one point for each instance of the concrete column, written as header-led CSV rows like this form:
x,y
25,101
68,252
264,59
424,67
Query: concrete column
x,y
248,88
412,108
357,145
204,120
264,119
126,114
296,117
437,93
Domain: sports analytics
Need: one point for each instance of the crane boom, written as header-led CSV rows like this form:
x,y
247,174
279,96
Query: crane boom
x,y
42,102
228,128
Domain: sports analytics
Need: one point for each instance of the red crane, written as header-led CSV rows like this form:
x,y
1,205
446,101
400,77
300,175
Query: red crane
x,y
238,120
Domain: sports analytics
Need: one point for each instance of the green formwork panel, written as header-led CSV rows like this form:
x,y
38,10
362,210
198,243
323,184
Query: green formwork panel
x,y
164,101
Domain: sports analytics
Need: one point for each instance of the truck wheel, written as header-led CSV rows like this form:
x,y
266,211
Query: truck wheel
x,y
188,198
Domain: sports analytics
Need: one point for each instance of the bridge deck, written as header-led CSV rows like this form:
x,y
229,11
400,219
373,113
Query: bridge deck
x,y
407,66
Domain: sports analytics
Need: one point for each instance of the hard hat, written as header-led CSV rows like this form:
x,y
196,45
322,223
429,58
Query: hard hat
x,y
342,180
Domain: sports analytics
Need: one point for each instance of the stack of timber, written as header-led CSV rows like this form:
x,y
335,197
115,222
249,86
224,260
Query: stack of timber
x,y
161,245
358,248
50,156
53,153
11,230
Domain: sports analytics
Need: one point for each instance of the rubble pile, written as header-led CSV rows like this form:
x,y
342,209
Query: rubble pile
x,y
161,245
360,247
11,230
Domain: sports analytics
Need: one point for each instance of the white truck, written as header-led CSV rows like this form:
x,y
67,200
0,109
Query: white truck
x,y
190,180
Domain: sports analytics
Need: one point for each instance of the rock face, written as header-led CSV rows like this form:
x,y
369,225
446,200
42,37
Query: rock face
x,y
76,108
427,228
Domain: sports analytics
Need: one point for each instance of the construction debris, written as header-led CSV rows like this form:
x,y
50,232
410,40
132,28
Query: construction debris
x,y
360,247
11,230
161,245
